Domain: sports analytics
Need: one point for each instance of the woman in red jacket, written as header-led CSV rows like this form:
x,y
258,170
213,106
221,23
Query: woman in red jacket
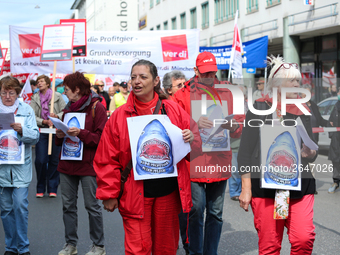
x,y
82,100
149,208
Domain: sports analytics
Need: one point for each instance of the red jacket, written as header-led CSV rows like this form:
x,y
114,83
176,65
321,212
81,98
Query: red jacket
x,y
189,92
114,153
90,137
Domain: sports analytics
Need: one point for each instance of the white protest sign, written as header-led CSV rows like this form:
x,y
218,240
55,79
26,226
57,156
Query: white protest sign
x,y
57,42
79,40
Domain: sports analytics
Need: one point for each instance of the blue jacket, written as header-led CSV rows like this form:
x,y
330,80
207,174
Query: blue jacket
x,y
15,175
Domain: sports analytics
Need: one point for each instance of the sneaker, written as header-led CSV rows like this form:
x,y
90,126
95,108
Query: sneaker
x,y
68,250
53,194
96,250
26,253
39,195
235,198
333,188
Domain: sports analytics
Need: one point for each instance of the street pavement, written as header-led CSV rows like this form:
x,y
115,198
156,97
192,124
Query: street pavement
x,y
46,229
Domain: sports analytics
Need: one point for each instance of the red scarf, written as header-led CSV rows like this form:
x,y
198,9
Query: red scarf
x,y
74,107
290,108
145,108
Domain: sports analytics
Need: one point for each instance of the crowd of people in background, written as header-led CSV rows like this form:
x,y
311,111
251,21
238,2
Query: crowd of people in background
x,y
155,212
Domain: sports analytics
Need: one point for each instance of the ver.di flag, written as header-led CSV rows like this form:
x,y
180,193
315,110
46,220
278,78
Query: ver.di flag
x,y
26,92
237,51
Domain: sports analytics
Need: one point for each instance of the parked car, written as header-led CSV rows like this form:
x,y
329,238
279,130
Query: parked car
x,y
325,107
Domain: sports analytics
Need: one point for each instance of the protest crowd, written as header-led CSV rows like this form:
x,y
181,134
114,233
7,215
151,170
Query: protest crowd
x,y
149,176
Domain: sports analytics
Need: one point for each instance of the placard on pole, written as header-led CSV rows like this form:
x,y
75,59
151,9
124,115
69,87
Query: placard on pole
x,y
57,45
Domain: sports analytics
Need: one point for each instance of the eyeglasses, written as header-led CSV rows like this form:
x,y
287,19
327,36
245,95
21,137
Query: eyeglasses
x,y
179,86
286,66
66,90
100,85
11,94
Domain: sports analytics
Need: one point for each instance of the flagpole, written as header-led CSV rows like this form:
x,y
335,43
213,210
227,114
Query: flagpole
x,y
52,106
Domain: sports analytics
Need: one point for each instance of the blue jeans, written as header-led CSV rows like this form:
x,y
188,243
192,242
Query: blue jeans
x,y
235,183
46,165
14,216
209,196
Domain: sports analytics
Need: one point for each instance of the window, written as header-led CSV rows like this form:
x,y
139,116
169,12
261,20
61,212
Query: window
x,y
232,7
183,21
205,15
158,1
151,4
165,25
220,10
273,2
193,18
252,6
173,23
158,27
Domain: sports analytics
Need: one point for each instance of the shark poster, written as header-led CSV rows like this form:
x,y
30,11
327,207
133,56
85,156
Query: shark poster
x,y
73,150
12,150
280,158
152,140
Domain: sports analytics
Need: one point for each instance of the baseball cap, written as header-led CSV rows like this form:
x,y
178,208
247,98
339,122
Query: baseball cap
x,y
206,62
261,80
123,84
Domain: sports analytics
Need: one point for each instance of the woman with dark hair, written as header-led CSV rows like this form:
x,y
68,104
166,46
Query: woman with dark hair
x,y
275,209
15,178
46,165
82,100
149,208
95,88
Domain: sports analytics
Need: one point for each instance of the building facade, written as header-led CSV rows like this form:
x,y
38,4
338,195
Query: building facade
x,y
305,34
108,15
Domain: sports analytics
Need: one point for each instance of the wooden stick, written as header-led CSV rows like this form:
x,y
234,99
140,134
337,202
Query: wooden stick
x,y
74,64
52,106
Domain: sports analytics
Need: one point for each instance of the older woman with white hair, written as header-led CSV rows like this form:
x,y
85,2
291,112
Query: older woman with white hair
x,y
297,217
15,172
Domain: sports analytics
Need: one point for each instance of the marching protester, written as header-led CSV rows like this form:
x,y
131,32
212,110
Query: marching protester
x,y
82,100
275,209
149,208
103,93
16,177
120,98
172,82
208,190
95,88
46,165
334,149
259,93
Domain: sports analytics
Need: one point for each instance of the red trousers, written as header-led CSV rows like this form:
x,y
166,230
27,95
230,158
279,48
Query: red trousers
x,y
299,224
158,231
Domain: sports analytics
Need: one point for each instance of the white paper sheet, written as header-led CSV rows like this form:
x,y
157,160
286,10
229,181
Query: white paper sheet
x,y
6,119
63,127
304,135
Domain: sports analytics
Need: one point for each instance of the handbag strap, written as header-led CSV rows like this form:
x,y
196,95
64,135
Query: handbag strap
x,y
125,173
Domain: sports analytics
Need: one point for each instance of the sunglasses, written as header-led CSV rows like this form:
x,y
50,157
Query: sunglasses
x,y
286,66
